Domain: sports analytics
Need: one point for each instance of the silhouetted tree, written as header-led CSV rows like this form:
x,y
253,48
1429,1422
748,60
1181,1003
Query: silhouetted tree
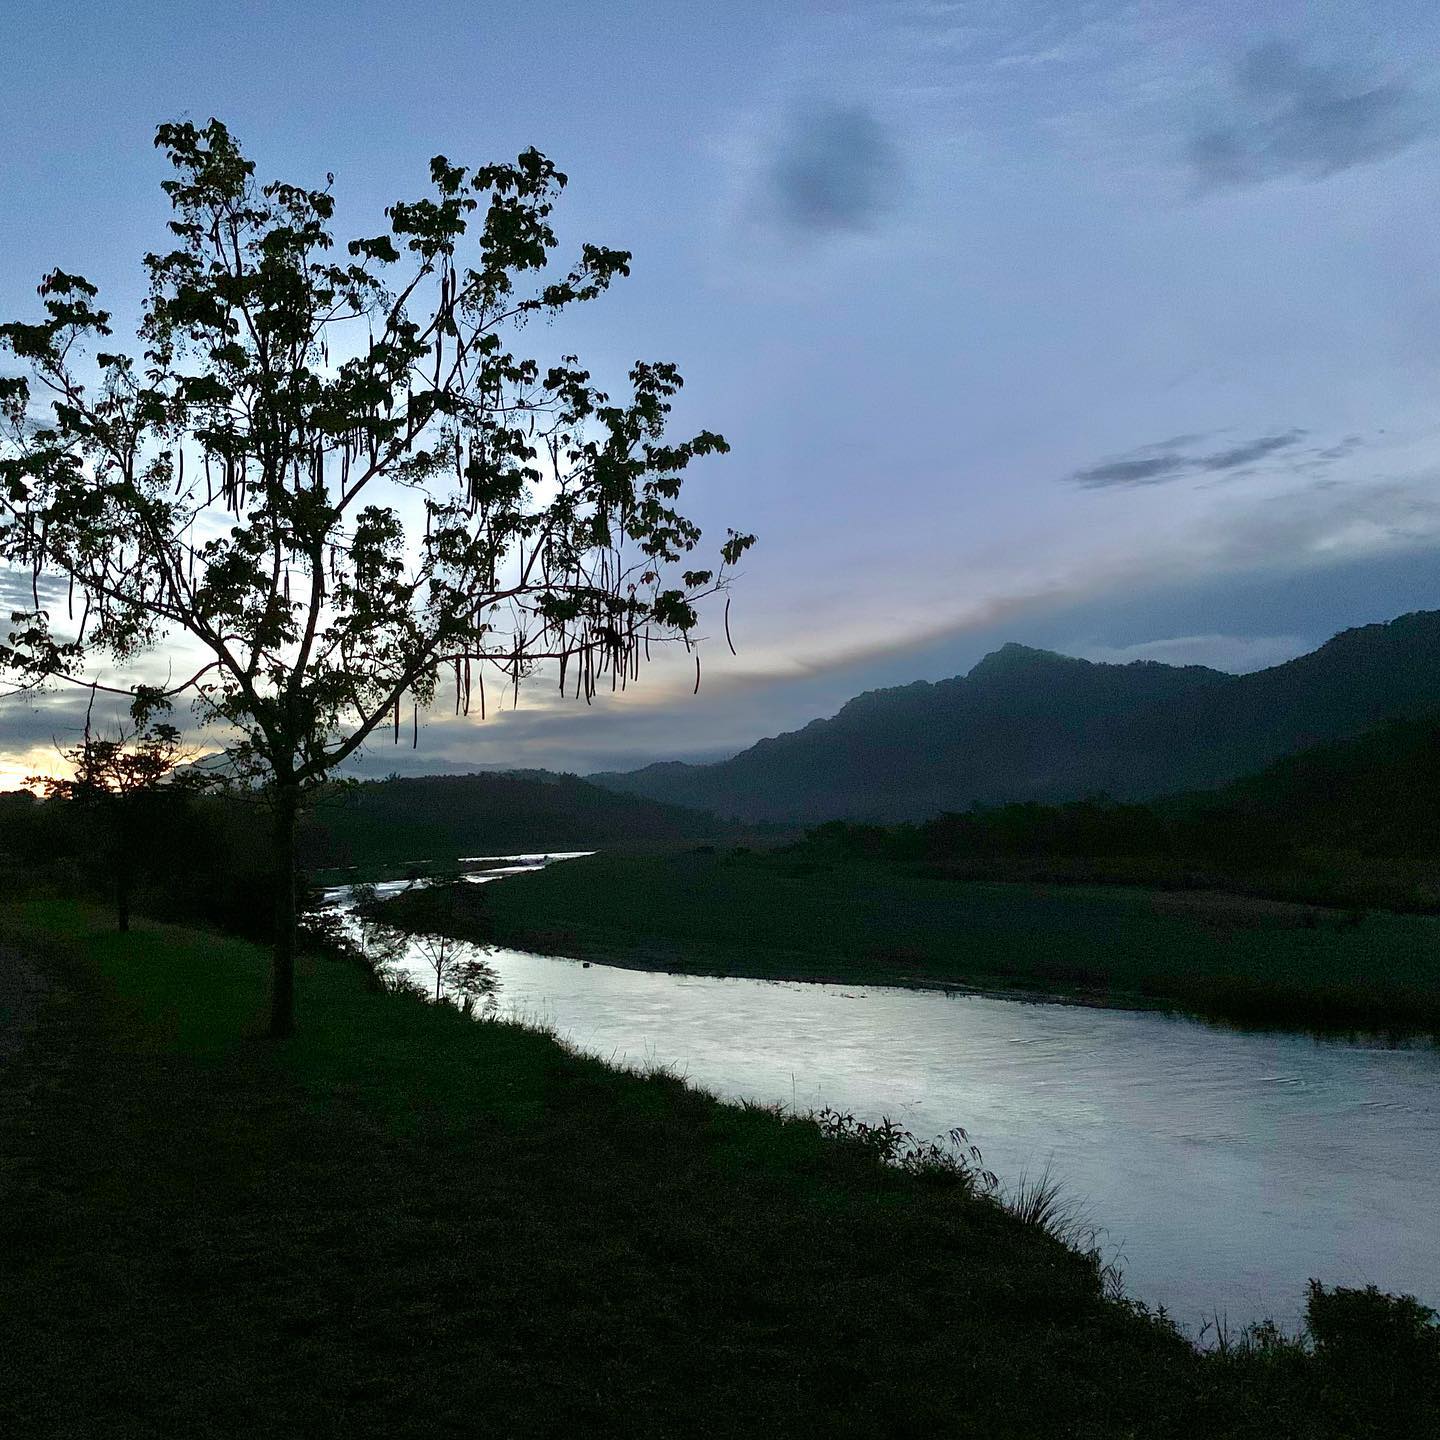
x,y
456,964
118,778
335,478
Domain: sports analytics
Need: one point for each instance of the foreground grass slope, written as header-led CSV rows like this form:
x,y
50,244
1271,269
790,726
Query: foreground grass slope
x,y
765,915
406,1223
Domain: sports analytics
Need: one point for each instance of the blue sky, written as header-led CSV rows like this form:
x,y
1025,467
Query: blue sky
x,y
1113,328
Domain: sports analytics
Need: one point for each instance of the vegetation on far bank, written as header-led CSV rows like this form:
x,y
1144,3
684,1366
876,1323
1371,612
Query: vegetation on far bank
x,y
402,1222
1351,825
207,858
795,916
440,818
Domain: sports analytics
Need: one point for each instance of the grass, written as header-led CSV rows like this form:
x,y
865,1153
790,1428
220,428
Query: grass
x,y
1237,958
406,1223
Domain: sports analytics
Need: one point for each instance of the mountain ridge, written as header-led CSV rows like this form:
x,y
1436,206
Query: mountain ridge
x,y
1025,723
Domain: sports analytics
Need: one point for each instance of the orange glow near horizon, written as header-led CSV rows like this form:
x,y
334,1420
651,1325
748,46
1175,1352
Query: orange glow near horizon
x,y
17,768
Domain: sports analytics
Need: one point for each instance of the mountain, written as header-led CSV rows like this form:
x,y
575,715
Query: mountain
x,y
1029,724
439,817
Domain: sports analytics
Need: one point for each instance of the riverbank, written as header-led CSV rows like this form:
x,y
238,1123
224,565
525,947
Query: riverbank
x,y
403,1222
1234,958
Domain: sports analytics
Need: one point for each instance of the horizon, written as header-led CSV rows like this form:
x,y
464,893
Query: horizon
x,y
420,768
719,759
459,770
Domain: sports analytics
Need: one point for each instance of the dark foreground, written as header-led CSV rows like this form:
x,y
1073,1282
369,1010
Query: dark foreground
x,y
406,1223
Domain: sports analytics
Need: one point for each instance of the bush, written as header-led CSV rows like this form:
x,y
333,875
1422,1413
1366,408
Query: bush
x,y
953,1159
1384,1350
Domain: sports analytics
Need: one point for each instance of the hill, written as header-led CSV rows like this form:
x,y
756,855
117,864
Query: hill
x,y
1029,724
440,817
1371,795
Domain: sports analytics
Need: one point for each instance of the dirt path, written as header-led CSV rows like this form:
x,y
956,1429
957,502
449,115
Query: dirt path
x,y
22,988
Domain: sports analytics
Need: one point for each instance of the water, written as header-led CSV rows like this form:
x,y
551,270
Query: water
x,y
1223,1169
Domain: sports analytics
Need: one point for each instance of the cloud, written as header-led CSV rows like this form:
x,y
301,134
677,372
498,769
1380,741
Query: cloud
x,y
1248,453
833,169
1237,654
1144,471
1338,451
1291,117
58,716
1169,460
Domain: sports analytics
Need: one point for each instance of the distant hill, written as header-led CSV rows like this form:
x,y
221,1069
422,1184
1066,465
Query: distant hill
x,y
437,817
1029,724
1377,794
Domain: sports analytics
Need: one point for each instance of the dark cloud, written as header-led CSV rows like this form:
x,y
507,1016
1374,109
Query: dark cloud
x,y
1147,470
834,169
29,719
1340,449
1169,460
1291,117
1248,453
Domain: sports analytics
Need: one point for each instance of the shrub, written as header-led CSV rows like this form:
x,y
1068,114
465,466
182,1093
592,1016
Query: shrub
x,y
952,1159
1383,1350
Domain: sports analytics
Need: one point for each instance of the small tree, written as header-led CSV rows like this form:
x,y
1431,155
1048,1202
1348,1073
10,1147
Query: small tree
x,y
452,920
337,479
120,779
457,967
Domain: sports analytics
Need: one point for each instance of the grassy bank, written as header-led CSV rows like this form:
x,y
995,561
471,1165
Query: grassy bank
x,y
406,1223
1233,957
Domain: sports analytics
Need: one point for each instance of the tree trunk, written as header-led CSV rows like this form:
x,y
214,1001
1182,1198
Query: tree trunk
x,y
282,969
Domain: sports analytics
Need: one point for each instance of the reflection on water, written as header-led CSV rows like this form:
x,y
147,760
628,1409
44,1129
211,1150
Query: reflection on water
x,y
1226,1169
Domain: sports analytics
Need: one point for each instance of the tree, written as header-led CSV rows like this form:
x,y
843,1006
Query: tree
x,y
120,779
450,914
456,966
335,480
459,966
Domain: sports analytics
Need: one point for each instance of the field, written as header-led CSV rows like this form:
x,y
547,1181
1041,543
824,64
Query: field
x,y
1233,957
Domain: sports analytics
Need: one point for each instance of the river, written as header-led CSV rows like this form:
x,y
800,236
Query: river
x,y
1221,1169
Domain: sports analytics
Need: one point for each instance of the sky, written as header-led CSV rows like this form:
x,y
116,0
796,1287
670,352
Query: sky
x,y
1112,328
